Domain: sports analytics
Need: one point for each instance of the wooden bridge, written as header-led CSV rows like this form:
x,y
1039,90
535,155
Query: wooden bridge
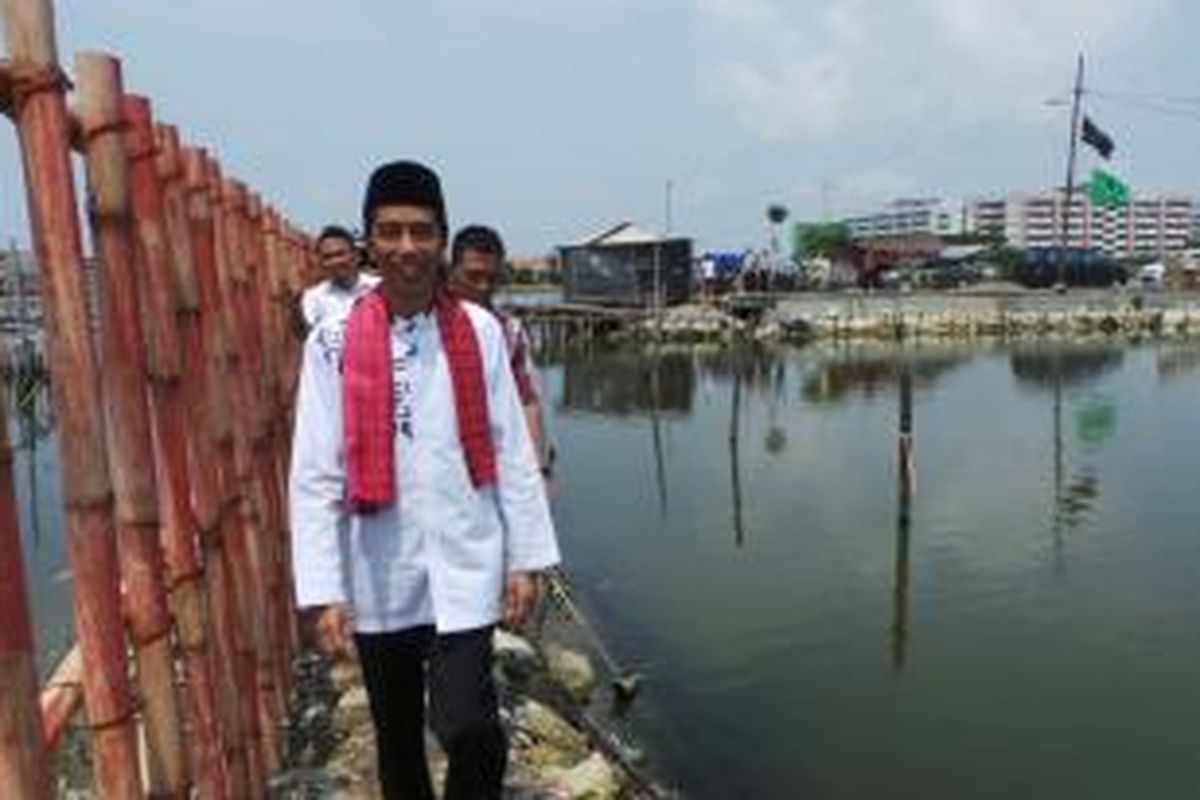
x,y
173,413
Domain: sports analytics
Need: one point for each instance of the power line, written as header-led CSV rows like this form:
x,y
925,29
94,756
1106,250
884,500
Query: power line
x,y
1149,106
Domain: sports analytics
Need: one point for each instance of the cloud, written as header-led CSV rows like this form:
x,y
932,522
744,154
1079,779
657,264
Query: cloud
x,y
835,68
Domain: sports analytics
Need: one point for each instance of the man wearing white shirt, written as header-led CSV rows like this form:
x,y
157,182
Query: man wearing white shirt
x,y
340,260
447,518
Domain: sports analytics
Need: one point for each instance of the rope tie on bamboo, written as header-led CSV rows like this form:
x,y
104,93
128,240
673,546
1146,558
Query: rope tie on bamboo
x,y
117,721
142,153
178,582
93,132
151,638
103,502
33,79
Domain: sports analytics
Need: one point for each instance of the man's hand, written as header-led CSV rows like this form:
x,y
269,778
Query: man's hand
x,y
520,599
334,630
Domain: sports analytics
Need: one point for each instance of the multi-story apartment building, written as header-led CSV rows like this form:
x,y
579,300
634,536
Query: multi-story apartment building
x,y
908,217
1147,226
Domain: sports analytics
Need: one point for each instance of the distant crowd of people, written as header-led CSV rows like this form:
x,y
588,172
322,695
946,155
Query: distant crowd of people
x,y
418,482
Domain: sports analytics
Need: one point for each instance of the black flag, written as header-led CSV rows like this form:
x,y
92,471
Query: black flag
x,y
1097,138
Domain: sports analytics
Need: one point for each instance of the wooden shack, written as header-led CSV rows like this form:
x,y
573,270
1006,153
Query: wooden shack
x,y
618,267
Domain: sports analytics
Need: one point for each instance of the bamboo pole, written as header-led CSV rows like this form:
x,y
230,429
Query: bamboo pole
x,y
234,476
248,542
127,423
163,294
41,116
23,771
183,524
208,413
269,492
272,288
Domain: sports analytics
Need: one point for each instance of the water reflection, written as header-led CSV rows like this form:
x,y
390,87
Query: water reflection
x,y
626,382
869,372
1177,362
1057,364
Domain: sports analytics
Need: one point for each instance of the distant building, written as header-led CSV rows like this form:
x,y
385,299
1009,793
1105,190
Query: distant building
x,y
908,217
1149,226
618,266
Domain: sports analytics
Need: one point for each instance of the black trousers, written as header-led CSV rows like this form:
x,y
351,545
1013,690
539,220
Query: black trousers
x,y
462,708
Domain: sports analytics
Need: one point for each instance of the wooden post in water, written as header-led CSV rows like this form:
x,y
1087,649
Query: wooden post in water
x,y
208,415
43,126
904,492
735,468
127,423
23,768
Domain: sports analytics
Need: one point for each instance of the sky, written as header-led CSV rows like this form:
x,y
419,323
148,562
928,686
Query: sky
x,y
553,119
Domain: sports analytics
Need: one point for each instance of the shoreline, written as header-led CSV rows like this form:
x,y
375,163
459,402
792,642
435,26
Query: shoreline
x,y
801,318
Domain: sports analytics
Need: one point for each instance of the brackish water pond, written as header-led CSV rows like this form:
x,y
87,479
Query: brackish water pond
x,y
1022,620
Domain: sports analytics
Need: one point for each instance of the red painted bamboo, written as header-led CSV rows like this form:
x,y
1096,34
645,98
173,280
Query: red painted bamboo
x,y
235,544
127,424
41,116
209,417
23,769
275,316
270,525
250,545
182,530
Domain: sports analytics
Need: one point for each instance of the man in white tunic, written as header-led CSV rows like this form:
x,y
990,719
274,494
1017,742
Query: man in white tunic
x,y
417,542
340,261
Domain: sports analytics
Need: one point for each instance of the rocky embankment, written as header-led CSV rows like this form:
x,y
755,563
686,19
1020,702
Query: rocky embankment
x,y
947,316
557,748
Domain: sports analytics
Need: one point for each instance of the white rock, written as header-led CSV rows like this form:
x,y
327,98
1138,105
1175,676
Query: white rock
x,y
573,670
591,779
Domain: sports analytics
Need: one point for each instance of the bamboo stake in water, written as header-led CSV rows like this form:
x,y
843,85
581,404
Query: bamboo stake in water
x,y
40,112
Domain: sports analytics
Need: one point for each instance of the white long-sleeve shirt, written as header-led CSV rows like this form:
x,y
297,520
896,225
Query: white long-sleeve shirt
x,y
439,554
327,300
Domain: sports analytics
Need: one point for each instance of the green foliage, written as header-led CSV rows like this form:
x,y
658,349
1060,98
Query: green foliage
x,y
811,239
1008,260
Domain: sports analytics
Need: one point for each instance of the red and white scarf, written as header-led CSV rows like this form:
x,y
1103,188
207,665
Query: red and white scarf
x,y
368,402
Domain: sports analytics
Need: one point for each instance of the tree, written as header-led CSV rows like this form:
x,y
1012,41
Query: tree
x,y
819,239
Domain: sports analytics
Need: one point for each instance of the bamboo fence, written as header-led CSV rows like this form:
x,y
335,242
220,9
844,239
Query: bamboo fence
x,y
174,414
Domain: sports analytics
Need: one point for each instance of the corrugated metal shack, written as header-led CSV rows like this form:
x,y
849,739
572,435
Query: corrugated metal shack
x,y
617,267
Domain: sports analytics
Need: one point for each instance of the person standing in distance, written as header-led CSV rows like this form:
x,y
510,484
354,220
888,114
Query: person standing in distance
x,y
344,282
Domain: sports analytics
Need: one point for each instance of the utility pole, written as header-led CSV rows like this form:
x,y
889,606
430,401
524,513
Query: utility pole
x,y
1076,96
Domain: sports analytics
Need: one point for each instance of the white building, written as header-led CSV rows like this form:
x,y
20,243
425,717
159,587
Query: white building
x,y
909,216
1150,225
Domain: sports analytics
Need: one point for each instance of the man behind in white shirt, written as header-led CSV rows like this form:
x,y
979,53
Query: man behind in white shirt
x,y
476,262
419,583
344,281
